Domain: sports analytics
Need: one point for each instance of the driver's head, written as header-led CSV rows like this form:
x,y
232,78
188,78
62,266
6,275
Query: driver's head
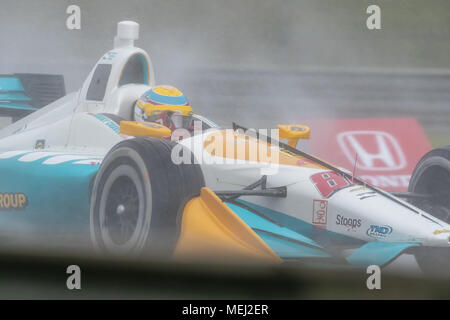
x,y
166,105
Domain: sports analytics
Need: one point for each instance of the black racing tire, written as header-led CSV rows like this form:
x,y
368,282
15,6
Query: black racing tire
x,y
136,196
431,176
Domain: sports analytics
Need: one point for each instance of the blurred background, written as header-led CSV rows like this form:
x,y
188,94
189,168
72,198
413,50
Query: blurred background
x,y
257,61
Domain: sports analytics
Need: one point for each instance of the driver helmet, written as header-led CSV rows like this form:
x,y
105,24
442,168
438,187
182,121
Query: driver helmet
x,y
165,105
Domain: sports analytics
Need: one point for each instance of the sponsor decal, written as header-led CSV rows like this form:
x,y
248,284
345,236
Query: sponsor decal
x,y
379,231
108,122
386,153
13,201
110,55
320,211
351,223
441,231
40,144
327,183
385,150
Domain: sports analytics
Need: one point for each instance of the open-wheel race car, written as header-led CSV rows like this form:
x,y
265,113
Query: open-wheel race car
x,y
84,168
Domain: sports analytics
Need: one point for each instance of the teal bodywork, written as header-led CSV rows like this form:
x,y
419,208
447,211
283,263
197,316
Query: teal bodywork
x,y
326,237
12,95
378,253
290,249
11,84
292,238
16,106
285,242
264,225
42,196
57,195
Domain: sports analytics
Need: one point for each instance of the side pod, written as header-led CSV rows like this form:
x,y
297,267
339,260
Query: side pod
x,y
210,229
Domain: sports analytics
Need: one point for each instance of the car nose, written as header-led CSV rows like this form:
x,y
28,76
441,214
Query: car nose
x,y
439,238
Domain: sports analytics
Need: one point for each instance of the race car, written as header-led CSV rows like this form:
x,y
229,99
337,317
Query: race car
x,y
83,170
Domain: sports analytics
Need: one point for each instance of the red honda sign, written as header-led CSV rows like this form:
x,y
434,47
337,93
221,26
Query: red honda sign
x,y
382,152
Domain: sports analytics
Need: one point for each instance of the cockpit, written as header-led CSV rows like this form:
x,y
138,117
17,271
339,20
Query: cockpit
x,y
120,77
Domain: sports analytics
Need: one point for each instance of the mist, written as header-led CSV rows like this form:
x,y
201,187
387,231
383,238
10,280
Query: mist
x,y
256,62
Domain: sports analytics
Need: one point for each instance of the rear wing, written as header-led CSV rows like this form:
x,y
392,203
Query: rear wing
x,y
23,93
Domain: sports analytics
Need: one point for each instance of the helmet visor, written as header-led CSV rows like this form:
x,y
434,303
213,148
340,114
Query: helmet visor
x,y
180,121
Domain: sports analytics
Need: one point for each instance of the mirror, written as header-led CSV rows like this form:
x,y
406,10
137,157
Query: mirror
x,y
293,132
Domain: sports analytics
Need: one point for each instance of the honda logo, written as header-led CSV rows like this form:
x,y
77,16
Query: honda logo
x,y
376,150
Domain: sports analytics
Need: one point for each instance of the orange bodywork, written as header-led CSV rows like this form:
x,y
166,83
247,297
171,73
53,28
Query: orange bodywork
x,y
233,145
210,229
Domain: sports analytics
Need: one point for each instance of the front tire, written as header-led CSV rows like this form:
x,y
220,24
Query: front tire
x,y
432,177
136,195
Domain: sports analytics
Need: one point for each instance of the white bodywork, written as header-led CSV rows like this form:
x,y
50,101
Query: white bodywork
x,y
408,223
66,123
71,125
